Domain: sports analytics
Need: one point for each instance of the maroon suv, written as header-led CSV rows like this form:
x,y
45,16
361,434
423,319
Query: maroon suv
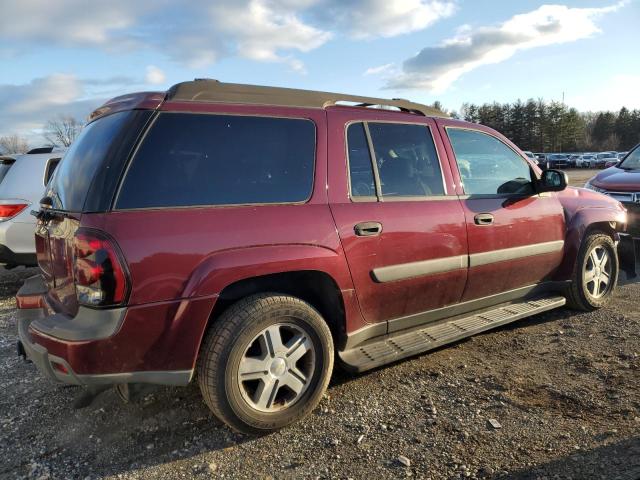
x,y
242,236
622,182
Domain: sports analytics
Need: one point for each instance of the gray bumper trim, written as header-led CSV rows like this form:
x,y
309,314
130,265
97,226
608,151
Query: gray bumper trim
x,y
43,360
88,324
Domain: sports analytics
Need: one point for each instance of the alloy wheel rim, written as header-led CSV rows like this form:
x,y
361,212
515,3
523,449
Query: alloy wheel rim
x,y
597,272
276,368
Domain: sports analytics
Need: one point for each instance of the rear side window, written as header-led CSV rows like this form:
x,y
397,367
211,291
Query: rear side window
x,y
207,159
407,160
360,167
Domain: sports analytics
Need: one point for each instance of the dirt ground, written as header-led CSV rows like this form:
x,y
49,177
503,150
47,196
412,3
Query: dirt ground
x,y
562,390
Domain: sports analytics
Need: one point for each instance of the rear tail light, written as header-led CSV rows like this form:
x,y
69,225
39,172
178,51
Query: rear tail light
x,y
10,210
99,270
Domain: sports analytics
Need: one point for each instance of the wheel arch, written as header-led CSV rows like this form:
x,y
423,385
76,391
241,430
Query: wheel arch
x,y
583,223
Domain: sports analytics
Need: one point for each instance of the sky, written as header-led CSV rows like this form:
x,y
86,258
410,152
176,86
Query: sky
x,y
66,57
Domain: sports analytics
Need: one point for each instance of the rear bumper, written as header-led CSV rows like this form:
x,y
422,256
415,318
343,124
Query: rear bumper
x,y
17,243
10,258
87,348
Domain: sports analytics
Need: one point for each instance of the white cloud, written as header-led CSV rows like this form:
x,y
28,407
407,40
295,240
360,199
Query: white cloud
x,y
436,68
200,32
383,18
154,75
262,29
68,21
24,109
385,69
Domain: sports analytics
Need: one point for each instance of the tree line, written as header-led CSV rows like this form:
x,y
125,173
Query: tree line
x,y
60,131
542,126
533,125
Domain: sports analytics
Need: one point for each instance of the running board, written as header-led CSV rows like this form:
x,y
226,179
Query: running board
x,y
405,343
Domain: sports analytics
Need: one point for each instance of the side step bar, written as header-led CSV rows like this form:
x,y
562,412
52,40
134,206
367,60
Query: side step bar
x,y
390,348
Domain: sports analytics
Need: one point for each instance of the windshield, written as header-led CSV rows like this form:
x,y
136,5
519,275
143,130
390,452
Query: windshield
x,y
69,186
632,161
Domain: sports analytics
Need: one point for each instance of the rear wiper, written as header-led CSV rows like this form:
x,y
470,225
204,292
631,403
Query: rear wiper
x,y
47,212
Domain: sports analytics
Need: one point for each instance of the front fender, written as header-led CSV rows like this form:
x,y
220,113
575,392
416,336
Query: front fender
x,y
610,220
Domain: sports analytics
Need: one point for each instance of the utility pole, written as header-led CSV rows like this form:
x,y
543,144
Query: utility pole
x,y
561,120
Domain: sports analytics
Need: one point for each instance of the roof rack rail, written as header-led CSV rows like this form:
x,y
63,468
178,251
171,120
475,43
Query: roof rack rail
x,y
209,90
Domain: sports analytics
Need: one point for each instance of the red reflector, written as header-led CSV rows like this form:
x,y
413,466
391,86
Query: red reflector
x,y
61,368
8,211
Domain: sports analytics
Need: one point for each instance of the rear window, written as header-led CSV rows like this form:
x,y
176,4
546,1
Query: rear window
x,y
5,165
68,188
208,159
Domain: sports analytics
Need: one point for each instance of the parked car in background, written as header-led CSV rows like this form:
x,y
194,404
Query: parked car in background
x,y
23,178
558,160
611,163
573,159
621,155
531,155
602,159
195,234
622,182
584,161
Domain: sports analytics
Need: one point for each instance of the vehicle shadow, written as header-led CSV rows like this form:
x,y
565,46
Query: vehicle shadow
x,y
620,460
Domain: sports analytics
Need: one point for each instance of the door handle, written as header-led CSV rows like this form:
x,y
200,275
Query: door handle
x,y
483,219
368,229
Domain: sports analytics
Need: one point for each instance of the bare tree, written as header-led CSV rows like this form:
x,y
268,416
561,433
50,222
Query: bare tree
x,y
62,130
13,144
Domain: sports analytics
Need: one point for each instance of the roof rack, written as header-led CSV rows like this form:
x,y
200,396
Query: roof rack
x,y
209,90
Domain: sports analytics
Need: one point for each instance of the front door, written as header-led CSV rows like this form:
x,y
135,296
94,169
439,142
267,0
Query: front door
x,y
402,228
515,235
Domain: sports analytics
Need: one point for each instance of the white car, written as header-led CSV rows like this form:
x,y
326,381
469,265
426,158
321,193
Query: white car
x,y
23,178
584,161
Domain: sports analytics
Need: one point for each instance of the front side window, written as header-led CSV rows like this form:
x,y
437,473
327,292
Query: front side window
x,y
199,159
487,166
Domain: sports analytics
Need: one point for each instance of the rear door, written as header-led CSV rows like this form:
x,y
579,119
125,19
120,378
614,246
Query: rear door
x,y
516,237
400,223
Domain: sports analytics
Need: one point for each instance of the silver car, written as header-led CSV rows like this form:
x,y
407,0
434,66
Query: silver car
x,y
22,181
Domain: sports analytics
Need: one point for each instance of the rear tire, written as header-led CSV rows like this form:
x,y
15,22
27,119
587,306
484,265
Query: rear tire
x,y
265,363
595,274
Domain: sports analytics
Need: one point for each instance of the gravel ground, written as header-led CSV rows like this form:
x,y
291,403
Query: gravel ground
x,y
564,389
553,396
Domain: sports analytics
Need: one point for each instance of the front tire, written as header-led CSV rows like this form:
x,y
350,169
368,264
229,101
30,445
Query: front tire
x,y
265,363
595,274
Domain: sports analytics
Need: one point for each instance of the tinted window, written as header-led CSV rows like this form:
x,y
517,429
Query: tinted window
x,y
360,167
632,160
51,167
488,166
406,158
69,187
191,159
5,165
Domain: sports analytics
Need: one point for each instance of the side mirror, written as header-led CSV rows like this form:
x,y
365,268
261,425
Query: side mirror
x,y
552,181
